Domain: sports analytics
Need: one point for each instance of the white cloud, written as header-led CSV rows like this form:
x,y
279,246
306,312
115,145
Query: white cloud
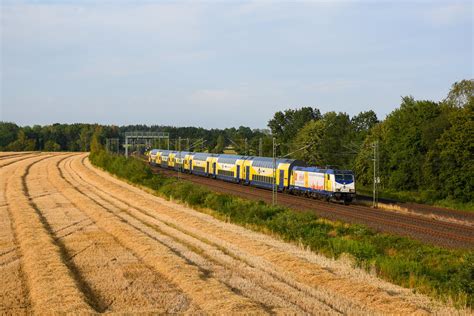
x,y
116,67
217,96
66,23
332,86
449,13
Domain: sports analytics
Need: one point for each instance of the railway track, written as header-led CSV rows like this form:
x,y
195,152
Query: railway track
x,y
441,233
425,209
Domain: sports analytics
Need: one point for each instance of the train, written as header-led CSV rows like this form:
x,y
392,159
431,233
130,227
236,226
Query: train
x,y
288,175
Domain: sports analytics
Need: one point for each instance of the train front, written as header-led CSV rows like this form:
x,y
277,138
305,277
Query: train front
x,y
344,185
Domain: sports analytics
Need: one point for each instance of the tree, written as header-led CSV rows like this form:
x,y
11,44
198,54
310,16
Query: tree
x,y
461,93
457,155
328,140
450,137
285,125
96,144
220,144
404,138
8,133
363,164
245,132
363,122
337,138
85,138
50,145
310,135
23,143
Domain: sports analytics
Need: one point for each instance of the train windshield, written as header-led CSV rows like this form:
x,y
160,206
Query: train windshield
x,y
344,178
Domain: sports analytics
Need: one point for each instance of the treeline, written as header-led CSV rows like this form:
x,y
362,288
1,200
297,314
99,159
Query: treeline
x,y
423,146
78,137
56,137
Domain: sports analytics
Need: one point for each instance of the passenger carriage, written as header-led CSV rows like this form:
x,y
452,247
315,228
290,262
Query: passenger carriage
x,y
179,159
229,167
259,172
158,157
200,164
164,158
152,156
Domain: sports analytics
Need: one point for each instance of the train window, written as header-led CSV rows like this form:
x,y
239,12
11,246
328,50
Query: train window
x,y
344,177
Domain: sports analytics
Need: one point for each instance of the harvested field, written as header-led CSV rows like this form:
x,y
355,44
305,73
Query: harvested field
x,y
75,239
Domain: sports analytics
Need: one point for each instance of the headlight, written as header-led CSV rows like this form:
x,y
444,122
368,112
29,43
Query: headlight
x,y
352,190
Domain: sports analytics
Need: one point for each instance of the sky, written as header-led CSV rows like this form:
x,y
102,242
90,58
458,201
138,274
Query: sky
x,y
218,64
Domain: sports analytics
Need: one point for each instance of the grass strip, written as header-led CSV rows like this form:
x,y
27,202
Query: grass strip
x,y
444,274
422,197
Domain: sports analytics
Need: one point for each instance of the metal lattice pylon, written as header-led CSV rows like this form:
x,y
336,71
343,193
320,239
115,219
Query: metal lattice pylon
x,y
132,139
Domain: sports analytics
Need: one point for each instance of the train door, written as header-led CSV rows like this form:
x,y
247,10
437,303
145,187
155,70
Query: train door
x,y
282,178
328,182
214,169
238,173
207,167
247,174
190,166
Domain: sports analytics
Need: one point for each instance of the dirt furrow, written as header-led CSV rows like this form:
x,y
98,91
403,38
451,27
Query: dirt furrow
x,y
110,275
13,290
51,285
8,154
252,282
14,296
288,261
9,160
206,292
5,155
